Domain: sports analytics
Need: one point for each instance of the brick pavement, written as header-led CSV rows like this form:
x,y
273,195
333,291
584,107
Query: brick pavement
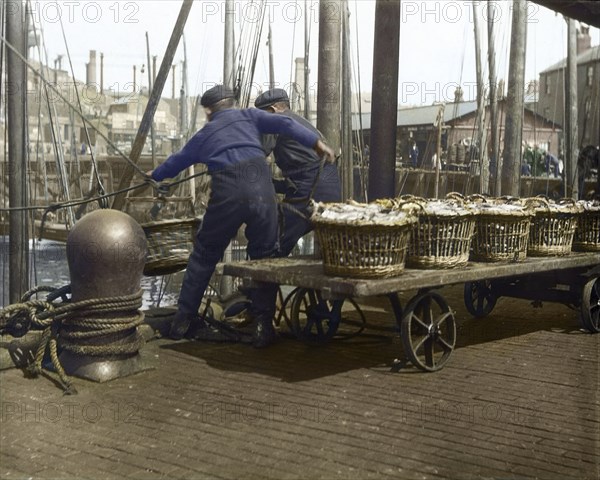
x,y
518,400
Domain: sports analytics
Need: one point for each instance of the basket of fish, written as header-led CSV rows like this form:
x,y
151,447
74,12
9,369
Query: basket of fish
x,y
442,236
362,240
501,229
587,233
553,226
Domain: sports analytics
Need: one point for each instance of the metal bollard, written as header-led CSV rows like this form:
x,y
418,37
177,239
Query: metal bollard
x,y
106,252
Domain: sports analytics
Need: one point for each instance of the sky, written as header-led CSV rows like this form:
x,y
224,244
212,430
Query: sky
x,y
436,41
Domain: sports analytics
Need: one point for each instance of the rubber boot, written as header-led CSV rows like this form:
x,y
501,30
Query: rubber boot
x,y
264,334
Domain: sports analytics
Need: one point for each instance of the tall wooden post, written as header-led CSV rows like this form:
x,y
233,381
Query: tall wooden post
x,y
513,130
16,79
229,48
494,147
384,110
347,166
571,147
150,81
328,90
271,63
484,165
438,150
306,58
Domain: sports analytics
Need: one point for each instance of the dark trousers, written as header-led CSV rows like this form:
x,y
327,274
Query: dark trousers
x,y
239,194
293,221
294,225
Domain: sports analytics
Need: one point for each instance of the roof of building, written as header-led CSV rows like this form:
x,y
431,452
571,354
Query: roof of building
x,y
425,115
589,55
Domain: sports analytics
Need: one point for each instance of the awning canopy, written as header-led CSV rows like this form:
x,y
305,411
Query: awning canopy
x,y
586,11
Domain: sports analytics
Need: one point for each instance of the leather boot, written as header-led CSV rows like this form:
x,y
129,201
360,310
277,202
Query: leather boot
x,y
181,324
264,334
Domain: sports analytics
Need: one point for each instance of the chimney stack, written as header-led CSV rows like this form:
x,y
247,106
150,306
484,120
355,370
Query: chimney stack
x,y
101,72
173,67
584,40
134,79
90,80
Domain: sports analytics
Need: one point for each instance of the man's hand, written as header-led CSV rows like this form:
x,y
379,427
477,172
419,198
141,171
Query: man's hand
x,y
324,150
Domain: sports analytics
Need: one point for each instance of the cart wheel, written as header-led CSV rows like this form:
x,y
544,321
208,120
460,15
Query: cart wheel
x,y
284,307
590,305
479,298
234,305
314,320
428,331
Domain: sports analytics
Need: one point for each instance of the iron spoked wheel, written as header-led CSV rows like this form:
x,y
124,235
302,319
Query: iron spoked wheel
x,y
428,331
479,298
314,320
284,307
590,305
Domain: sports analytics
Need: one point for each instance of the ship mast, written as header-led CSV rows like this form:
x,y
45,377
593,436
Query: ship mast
x,y
513,130
328,89
571,188
16,75
484,166
493,96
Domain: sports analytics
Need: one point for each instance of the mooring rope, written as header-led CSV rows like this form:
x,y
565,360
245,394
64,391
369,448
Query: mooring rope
x,y
77,327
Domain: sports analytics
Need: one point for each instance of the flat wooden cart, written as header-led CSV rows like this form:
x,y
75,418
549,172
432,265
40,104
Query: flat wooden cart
x,y
427,323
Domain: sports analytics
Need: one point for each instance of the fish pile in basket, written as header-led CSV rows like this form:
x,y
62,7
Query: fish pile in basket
x,y
362,240
378,239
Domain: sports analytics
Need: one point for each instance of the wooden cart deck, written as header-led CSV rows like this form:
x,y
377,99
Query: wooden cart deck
x,y
308,273
426,322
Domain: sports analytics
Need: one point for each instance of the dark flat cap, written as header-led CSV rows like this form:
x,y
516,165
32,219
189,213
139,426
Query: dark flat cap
x,y
270,97
216,94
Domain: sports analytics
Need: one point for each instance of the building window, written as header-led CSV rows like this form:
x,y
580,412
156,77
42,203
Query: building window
x,y
590,76
547,83
66,134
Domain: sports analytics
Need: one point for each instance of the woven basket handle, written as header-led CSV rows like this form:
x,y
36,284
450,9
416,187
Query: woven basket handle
x,y
538,201
478,197
455,196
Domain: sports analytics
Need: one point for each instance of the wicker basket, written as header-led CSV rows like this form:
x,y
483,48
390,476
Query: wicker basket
x,y
553,227
501,230
587,234
359,246
170,243
170,227
442,237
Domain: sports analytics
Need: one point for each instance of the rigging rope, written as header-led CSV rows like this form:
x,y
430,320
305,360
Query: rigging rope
x,y
70,105
101,189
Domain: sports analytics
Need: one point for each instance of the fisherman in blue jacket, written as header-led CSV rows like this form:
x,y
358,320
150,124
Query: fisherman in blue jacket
x,y
241,193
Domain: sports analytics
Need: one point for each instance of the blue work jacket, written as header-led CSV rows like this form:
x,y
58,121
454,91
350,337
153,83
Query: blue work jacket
x,y
232,136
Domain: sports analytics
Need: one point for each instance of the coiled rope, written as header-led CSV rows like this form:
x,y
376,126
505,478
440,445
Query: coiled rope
x,y
78,327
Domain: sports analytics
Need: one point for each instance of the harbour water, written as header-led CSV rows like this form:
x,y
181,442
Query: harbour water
x,y
48,266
